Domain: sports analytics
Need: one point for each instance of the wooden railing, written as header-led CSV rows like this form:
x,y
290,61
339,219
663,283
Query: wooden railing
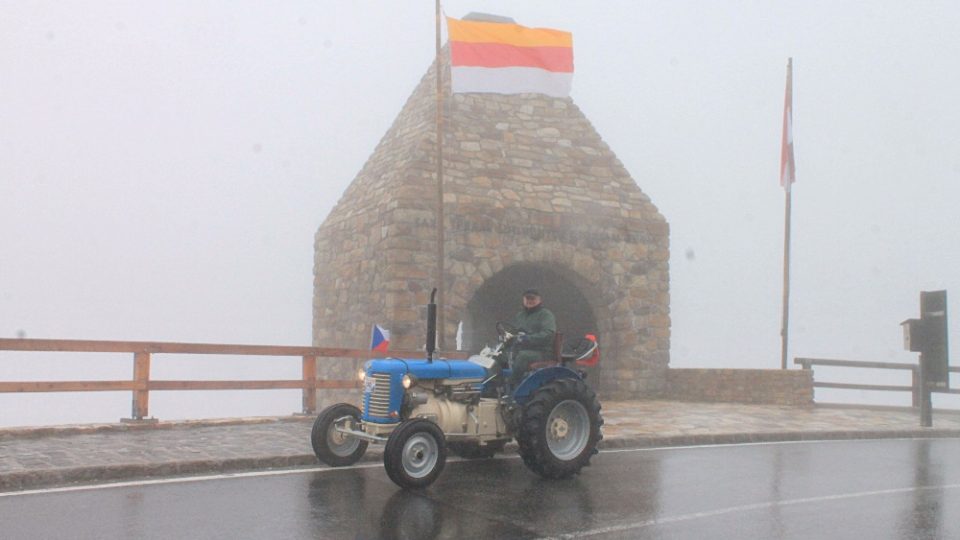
x,y
141,384
914,388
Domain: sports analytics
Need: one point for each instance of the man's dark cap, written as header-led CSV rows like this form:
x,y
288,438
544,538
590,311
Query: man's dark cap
x,y
534,292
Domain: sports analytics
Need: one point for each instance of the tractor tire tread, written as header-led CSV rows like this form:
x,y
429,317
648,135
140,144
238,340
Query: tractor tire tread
x,y
393,453
531,436
318,436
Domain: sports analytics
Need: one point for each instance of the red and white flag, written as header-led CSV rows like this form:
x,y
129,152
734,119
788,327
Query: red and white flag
x,y
788,170
506,58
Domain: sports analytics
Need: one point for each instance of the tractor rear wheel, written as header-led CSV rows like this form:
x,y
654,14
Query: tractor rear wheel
x,y
332,447
560,428
415,453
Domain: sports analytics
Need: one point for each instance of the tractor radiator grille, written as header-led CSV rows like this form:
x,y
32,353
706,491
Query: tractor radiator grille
x,y
380,398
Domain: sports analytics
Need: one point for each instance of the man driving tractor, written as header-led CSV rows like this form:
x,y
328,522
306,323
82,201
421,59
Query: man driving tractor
x,y
537,327
419,409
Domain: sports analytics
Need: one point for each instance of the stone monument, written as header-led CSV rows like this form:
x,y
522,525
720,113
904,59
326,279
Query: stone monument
x,y
533,197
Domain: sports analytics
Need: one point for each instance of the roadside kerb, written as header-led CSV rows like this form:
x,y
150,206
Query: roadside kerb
x,y
34,479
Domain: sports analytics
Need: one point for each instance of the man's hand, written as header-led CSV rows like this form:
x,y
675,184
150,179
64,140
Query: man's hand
x,y
522,337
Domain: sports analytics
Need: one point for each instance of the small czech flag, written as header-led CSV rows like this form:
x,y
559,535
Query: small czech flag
x,y
379,338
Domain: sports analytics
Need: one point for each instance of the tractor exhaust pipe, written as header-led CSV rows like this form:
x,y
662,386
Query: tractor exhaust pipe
x,y
432,326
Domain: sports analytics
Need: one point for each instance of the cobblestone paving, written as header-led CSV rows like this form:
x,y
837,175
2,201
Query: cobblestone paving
x,y
635,422
34,457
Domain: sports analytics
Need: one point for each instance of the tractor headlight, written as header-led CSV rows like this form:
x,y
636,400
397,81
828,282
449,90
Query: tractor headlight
x,y
361,374
408,381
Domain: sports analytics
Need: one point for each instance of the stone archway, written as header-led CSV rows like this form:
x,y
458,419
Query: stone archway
x,y
498,299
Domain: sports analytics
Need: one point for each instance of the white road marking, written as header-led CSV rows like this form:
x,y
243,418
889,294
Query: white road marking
x,y
747,508
765,443
186,479
318,469
759,443
223,476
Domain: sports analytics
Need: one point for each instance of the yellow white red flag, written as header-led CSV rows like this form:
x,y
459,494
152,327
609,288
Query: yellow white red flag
x,y
506,58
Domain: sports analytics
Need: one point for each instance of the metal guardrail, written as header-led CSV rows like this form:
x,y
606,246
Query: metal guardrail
x,y
914,388
141,384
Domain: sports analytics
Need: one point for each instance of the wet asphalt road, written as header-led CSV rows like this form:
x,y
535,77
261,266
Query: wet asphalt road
x,y
899,489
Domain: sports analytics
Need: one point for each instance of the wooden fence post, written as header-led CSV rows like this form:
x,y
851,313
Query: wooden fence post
x,y
309,388
141,375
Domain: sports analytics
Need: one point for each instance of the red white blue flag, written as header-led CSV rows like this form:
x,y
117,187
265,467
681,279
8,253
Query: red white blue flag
x,y
379,338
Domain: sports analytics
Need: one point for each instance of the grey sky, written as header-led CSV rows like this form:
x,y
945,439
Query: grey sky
x,y
163,167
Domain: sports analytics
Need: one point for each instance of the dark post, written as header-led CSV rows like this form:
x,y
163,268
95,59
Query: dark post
x,y
933,319
915,384
933,353
928,336
431,326
926,400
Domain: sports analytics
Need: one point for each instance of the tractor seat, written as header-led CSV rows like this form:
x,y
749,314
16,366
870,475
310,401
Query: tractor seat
x,y
585,353
557,349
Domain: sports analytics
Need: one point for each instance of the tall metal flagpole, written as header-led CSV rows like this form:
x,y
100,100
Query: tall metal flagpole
x,y
440,282
785,327
787,177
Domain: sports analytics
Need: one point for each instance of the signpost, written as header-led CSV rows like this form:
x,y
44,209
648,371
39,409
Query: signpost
x,y
928,336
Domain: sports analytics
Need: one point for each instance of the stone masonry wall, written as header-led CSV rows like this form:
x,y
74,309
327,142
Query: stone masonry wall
x,y
527,180
758,386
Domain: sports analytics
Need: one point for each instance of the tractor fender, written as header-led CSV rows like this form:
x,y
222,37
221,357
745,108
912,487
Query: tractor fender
x,y
540,377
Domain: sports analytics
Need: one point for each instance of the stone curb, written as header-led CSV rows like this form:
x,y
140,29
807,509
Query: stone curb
x,y
707,439
20,481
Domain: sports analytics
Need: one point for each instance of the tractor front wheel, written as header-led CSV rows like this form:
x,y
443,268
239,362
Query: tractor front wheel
x,y
415,453
332,447
560,428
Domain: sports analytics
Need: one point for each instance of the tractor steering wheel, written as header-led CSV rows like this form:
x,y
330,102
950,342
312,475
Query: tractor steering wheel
x,y
506,330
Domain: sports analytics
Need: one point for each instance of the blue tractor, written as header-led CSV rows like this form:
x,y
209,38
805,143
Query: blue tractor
x,y
421,408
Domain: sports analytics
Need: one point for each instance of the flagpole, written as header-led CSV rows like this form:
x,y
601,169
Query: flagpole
x,y
785,327
787,181
440,221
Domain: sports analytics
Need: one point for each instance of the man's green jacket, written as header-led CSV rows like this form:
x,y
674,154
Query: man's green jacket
x,y
540,326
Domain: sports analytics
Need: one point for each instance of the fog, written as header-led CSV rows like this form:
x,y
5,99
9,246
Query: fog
x,y
163,168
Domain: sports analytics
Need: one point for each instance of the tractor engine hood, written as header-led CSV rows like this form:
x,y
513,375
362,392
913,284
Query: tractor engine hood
x,y
423,370
382,389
